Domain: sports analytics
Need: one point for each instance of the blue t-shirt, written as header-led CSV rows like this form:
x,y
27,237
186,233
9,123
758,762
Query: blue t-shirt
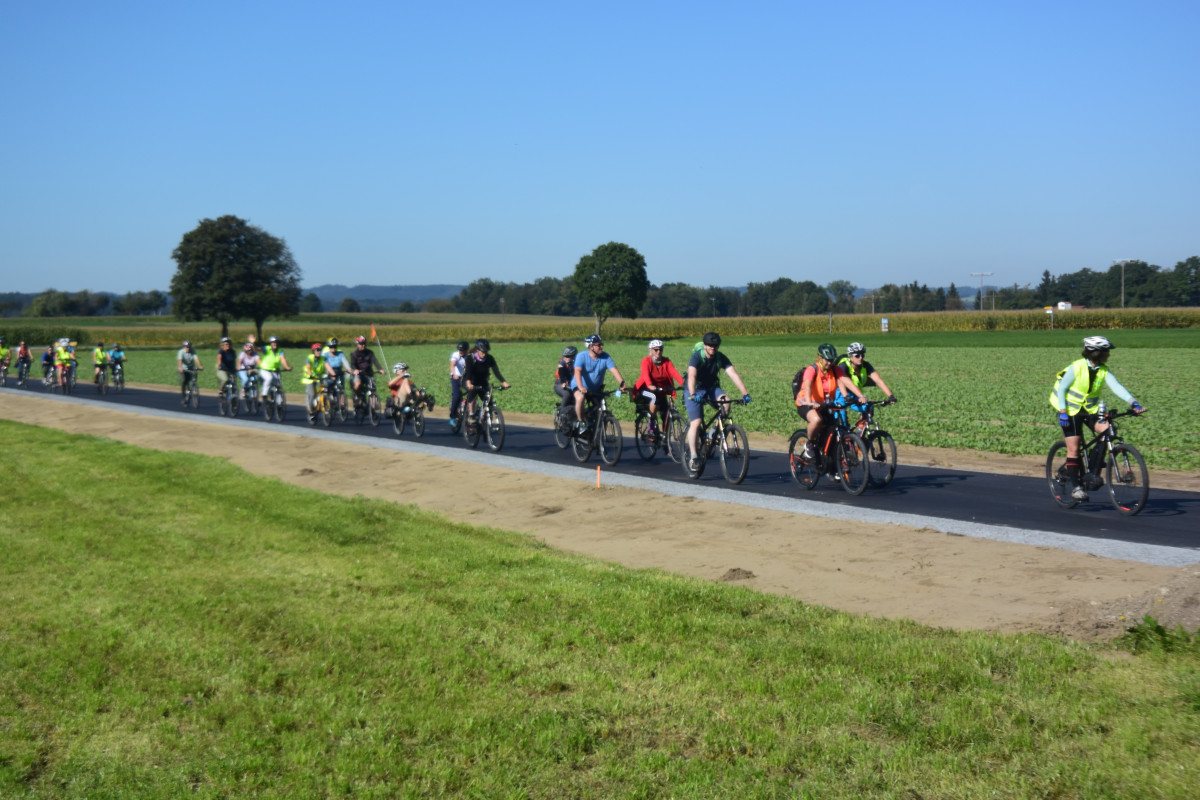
x,y
708,370
336,360
593,370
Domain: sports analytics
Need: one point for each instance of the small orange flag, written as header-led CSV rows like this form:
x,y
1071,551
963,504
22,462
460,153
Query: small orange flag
x,y
373,336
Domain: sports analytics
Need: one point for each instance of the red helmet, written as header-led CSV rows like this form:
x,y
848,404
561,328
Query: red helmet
x,y
360,340
316,346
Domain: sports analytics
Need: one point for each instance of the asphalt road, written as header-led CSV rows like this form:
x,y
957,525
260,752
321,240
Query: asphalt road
x,y
1170,519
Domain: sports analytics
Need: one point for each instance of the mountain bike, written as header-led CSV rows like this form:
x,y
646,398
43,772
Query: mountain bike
x,y
881,447
720,436
337,398
49,378
603,432
227,399
366,402
274,404
322,408
252,398
118,377
414,412
649,441
22,374
840,453
564,421
102,381
1124,468
488,422
191,388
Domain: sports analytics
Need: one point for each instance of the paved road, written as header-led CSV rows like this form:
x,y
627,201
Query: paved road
x,y
1171,518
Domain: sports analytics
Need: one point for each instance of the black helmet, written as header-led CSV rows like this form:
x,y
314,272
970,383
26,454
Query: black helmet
x,y
226,340
593,339
187,344
463,347
712,339
333,343
98,344
827,352
569,352
482,345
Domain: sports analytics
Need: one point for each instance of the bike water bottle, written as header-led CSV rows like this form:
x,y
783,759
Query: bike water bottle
x,y
1103,409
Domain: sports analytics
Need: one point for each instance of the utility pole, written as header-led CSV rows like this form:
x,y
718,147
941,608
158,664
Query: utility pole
x,y
981,276
1123,262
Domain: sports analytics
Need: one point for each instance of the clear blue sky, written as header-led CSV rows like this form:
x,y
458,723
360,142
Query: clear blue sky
x,y
399,142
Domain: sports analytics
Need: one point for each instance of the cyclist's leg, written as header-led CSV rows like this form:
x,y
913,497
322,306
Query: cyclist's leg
x,y
580,394
695,412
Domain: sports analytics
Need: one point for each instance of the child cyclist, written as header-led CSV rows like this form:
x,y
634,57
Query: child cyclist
x,y
404,394
658,378
564,371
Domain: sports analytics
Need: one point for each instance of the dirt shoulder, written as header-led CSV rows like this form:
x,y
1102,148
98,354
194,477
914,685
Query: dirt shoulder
x,y
886,571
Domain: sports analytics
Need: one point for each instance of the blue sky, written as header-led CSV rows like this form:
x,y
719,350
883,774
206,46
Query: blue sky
x,y
397,142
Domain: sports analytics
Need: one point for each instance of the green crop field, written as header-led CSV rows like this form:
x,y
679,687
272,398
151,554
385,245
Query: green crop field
x,y
177,627
970,390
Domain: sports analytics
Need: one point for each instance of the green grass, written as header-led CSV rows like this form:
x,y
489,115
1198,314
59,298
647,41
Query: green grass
x,y
177,627
976,390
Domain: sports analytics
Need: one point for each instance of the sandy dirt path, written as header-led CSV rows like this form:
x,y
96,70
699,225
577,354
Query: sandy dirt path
x,y
886,571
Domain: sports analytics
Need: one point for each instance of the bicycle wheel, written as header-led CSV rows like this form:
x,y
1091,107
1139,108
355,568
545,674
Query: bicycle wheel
x,y
494,430
701,453
610,440
268,407
804,472
223,402
560,433
1128,481
374,413
676,430
881,458
324,411
852,464
1056,476
735,454
471,432
583,444
235,402
280,406
644,439
195,392
419,423
119,381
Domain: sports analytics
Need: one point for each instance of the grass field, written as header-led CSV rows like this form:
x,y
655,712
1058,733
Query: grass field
x,y
178,627
986,390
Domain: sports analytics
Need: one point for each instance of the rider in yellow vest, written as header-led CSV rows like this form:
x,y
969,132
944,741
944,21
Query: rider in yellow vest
x,y
272,363
314,372
99,361
1076,398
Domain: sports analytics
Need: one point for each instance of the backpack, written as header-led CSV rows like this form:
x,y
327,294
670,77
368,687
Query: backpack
x,y
798,379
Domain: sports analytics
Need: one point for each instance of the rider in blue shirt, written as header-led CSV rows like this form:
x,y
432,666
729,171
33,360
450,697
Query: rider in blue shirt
x,y
336,360
590,366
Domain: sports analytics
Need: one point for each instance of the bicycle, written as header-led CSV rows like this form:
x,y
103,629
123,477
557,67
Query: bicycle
x,y
603,431
118,377
421,402
881,447
649,442
4,374
323,403
227,399
22,374
488,421
841,454
253,401
718,435
191,388
366,402
564,420
1125,472
274,404
102,381
49,378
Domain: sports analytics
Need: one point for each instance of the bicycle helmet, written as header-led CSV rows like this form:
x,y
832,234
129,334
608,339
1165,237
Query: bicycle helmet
x,y
482,345
333,342
856,349
712,339
1098,343
400,367
655,344
187,344
463,347
316,347
273,340
249,348
226,340
827,352
569,352
593,339
98,344
116,346
360,340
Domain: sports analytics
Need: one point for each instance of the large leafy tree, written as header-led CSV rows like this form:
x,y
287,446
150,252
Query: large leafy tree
x,y
229,269
612,280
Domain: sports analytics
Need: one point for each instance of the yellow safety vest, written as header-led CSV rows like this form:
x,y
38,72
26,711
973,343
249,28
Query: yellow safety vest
x,y
1083,393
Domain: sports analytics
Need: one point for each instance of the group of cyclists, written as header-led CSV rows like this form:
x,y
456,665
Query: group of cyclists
x,y
60,362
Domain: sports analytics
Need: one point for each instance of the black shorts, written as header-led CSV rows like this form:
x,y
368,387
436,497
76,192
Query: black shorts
x,y
1078,423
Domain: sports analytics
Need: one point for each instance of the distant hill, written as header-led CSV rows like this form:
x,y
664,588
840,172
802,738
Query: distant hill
x,y
333,293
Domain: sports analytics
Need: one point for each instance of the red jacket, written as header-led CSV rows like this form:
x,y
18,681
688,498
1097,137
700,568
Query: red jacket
x,y
658,376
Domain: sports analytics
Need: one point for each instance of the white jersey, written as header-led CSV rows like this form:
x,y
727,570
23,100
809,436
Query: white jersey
x,y
457,365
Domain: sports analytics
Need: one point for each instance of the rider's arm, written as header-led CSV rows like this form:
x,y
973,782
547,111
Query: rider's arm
x,y
848,387
496,370
804,396
675,376
617,374
883,387
691,381
1120,391
737,380
1060,391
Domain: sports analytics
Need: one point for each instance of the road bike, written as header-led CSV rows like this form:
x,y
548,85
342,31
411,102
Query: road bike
x,y
718,435
487,422
191,388
118,377
603,432
881,447
650,440
420,403
1124,469
274,404
840,453
366,402
227,398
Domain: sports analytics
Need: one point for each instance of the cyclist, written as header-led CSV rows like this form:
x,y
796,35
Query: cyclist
x,y
116,357
863,375
401,388
458,363
1076,398
590,366
48,360
188,362
99,361
5,354
314,371
563,372
363,363
273,362
247,365
64,360
335,362
703,386
226,361
820,383
658,378
24,358
475,375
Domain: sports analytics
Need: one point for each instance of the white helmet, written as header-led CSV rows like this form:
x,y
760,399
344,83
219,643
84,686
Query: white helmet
x,y
856,348
1097,343
655,343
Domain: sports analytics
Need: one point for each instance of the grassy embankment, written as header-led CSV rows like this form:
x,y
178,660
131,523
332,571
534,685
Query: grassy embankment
x,y
178,627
